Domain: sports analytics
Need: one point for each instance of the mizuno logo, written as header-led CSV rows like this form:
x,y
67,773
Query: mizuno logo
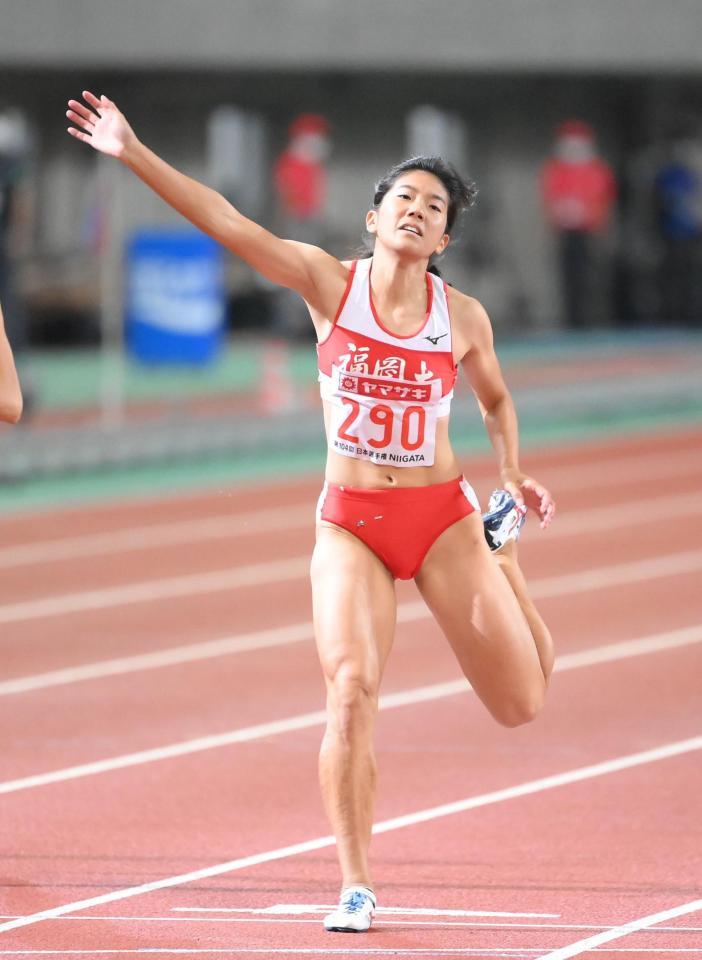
x,y
435,340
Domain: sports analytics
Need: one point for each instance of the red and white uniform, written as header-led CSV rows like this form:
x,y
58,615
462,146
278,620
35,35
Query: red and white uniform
x,y
386,391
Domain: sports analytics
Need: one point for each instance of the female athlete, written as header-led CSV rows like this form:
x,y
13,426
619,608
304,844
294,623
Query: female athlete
x,y
10,392
394,504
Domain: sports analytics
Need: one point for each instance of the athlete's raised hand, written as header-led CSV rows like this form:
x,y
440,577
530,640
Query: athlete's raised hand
x,y
100,124
532,494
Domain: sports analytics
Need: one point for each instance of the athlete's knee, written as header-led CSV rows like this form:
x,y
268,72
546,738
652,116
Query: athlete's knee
x,y
519,710
352,700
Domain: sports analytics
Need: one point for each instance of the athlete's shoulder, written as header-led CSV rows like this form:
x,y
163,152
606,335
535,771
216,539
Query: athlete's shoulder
x,y
470,322
320,260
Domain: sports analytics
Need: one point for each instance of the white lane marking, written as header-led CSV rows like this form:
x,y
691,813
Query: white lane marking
x,y
623,930
473,924
297,567
572,661
295,909
619,515
146,591
528,788
229,526
260,639
226,526
597,578
170,656
598,472
323,952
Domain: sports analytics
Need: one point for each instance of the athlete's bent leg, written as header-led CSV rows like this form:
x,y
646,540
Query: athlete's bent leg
x,y
476,607
354,617
507,561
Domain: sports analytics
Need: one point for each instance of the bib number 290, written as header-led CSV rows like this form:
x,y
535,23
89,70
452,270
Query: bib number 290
x,y
412,425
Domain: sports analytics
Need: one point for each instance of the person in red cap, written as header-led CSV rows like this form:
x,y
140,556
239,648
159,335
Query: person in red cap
x,y
300,174
578,191
300,180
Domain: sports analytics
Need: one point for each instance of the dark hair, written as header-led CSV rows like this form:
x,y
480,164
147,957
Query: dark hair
x,y
461,192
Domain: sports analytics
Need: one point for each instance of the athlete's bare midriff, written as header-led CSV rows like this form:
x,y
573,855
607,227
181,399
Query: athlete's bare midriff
x,y
360,473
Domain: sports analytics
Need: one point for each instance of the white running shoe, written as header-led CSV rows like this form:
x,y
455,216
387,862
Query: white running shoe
x,y
504,519
354,913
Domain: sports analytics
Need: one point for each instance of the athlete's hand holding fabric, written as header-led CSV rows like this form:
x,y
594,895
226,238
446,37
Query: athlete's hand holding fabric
x,y
104,127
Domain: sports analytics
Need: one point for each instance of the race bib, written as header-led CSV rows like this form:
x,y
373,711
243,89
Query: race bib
x,y
386,421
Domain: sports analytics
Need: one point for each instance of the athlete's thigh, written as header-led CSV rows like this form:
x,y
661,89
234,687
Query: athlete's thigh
x,y
481,618
354,606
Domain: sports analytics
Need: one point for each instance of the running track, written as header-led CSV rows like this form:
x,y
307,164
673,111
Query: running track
x,y
161,708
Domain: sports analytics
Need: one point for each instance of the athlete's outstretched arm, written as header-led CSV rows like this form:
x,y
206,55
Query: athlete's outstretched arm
x,y
10,392
314,274
482,368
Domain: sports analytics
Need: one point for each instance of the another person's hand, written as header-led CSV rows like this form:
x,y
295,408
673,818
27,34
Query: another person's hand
x,y
104,127
531,493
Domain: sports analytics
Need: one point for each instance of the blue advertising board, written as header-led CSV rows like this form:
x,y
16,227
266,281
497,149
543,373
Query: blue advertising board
x,y
175,298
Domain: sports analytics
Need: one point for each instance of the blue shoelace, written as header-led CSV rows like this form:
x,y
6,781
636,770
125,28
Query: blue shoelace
x,y
354,902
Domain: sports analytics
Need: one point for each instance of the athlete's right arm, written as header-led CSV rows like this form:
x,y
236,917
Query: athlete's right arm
x,y
10,392
302,267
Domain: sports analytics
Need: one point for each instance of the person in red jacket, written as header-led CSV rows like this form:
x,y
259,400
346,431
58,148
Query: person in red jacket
x,y
578,192
300,181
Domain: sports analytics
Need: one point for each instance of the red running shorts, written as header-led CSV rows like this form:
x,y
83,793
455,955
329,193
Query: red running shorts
x,y
400,524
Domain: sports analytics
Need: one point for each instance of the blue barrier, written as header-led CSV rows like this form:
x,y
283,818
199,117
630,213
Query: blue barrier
x,y
175,298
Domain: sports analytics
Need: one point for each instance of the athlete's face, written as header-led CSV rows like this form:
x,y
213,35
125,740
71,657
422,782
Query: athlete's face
x,y
412,216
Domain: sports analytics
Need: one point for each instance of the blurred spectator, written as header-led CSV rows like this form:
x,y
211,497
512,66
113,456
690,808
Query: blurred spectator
x,y
14,230
300,179
678,206
578,191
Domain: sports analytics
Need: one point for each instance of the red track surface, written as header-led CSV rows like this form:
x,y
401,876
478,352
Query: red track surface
x,y
592,854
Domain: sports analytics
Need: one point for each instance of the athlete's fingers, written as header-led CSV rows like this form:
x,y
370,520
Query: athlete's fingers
x,y
81,121
92,100
78,134
548,515
81,108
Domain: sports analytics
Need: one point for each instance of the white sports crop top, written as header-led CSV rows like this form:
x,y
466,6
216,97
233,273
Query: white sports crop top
x,y
386,391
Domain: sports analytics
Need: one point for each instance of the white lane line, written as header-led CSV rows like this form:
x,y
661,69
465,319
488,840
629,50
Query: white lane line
x,y
298,567
620,515
573,661
528,788
228,526
295,909
225,526
598,472
598,578
268,951
146,591
589,943
295,633
170,656
472,924
323,952
146,536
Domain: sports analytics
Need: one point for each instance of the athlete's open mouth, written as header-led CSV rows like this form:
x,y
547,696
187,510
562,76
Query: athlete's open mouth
x,y
410,228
